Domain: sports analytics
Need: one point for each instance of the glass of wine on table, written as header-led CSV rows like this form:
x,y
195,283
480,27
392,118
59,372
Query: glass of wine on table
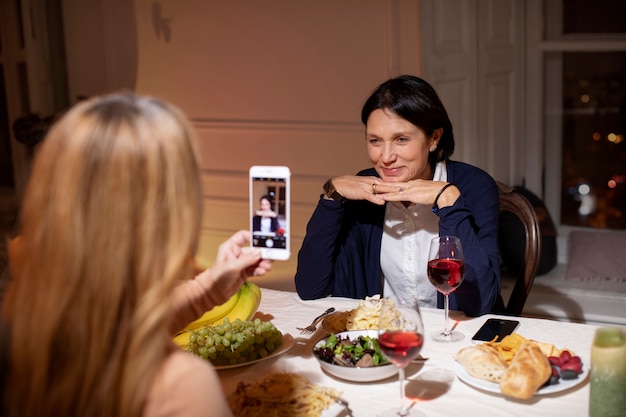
x,y
446,269
400,338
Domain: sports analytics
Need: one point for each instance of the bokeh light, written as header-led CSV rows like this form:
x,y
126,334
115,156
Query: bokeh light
x,y
615,138
584,189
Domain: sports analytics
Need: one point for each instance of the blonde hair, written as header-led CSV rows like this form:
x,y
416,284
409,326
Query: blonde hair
x,y
110,223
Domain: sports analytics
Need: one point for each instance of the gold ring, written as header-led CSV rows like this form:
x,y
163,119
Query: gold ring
x,y
374,188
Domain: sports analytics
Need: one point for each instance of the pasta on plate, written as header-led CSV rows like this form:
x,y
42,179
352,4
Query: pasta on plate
x,y
281,395
364,317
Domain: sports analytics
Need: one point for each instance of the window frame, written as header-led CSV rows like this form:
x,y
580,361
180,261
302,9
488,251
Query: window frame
x,y
544,92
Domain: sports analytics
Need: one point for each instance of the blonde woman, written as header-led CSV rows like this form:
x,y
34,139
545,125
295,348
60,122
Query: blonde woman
x,y
110,224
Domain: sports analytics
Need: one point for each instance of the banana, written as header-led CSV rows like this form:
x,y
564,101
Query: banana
x,y
182,338
255,289
217,313
242,305
249,300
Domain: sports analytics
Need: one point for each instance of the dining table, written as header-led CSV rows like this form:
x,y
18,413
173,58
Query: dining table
x,y
432,385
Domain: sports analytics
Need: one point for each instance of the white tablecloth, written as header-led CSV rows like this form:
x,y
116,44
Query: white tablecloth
x,y
435,387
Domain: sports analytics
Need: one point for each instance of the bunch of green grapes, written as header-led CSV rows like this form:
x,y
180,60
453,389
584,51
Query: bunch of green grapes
x,y
232,343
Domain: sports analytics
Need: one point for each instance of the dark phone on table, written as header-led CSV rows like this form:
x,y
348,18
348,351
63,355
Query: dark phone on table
x,y
495,327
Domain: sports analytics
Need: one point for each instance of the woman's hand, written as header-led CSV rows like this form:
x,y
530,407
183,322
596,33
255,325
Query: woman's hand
x,y
354,187
234,263
379,192
421,192
266,213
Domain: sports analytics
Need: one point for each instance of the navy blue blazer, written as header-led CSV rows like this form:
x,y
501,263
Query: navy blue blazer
x,y
340,254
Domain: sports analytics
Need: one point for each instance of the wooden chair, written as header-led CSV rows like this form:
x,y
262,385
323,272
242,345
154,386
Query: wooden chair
x,y
515,203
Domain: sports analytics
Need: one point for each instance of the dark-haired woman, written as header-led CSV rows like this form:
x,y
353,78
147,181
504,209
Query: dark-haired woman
x,y
370,233
265,219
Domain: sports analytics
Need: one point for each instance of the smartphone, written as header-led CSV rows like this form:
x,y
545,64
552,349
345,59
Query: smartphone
x,y
270,211
495,327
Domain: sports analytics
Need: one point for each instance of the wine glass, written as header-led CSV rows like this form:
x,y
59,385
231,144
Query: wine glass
x,y
400,338
446,269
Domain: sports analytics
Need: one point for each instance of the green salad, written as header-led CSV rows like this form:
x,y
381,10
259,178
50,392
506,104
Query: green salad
x,y
363,351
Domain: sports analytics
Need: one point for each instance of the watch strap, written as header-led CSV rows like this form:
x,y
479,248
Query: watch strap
x,y
331,192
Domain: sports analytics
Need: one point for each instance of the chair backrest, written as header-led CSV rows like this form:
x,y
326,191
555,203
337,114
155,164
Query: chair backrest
x,y
515,203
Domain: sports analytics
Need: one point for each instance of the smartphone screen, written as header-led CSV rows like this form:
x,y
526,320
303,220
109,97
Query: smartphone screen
x,y
270,210
495,327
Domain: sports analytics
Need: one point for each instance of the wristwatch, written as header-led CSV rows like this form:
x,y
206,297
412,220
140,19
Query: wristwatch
x,y
332,193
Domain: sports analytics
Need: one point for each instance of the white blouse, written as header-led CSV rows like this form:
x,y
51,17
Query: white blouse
x,y
266,224
407,232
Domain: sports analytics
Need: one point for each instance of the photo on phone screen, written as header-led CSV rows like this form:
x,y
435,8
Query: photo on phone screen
x,y
270,210
495,327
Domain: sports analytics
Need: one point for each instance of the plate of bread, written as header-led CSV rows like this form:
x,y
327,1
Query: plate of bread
x,y
519,368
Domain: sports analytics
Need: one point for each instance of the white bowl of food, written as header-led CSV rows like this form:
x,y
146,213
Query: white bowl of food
x,y
354,356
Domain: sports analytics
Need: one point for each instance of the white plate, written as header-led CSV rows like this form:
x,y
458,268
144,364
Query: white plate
x,y
489,386
288,342
335,410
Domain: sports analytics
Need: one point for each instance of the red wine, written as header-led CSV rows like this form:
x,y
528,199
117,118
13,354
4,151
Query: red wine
x,y
446,274
400,347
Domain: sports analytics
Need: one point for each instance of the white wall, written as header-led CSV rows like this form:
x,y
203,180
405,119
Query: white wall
x,y
277,82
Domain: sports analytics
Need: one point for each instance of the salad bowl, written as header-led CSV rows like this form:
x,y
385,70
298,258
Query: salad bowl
x,y
381,369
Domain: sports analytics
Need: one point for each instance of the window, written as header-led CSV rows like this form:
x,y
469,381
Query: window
x,y
584,56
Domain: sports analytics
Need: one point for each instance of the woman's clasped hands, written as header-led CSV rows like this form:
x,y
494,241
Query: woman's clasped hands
x,y
377,191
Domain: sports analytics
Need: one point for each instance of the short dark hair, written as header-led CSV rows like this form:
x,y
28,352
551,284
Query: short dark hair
x,y
416,101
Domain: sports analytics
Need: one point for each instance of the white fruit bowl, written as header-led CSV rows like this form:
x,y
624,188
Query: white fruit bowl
x,y
356,374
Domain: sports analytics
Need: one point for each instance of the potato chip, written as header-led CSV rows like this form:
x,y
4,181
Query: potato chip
x,y
549,349
512,341
508,346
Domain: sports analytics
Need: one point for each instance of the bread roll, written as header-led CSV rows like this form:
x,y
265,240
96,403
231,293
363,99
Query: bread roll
x,y
482,361
528,371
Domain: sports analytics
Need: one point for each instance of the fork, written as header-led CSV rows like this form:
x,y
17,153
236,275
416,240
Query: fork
x,y
313,326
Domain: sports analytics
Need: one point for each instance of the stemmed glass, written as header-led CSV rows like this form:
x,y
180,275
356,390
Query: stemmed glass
x,y
400,337
446,269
